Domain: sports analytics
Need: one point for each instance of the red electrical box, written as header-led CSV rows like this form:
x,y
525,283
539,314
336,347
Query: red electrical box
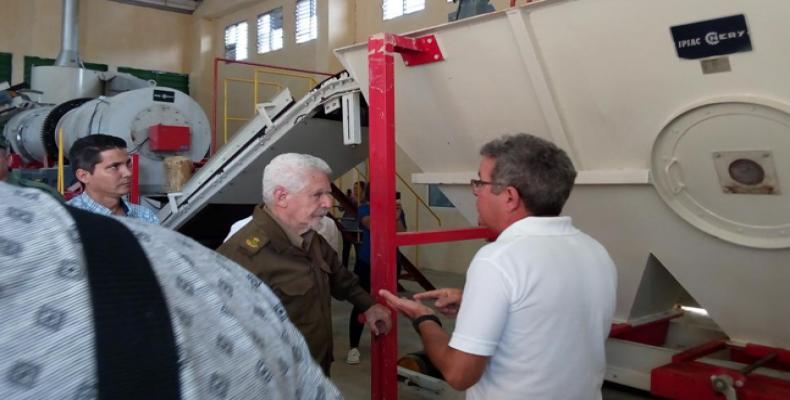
x,y
168,138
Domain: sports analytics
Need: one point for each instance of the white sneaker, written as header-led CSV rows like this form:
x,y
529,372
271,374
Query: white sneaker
x,y
353,356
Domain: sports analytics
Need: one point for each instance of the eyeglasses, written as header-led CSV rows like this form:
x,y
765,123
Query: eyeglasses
x,y
477,184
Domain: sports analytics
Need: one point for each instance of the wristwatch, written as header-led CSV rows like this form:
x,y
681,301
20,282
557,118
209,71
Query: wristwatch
x,y
428,317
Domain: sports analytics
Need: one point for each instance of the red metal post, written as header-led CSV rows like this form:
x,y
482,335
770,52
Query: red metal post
x,y
134,192
381,53
214,109
384,377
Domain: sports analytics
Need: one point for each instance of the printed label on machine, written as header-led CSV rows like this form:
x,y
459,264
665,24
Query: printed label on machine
x,y
713,37
164,96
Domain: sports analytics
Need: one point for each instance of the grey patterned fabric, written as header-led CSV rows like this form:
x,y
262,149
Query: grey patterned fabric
x,y
233,336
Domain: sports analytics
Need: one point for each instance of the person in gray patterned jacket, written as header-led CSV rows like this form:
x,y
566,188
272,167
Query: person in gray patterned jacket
x,y
232,338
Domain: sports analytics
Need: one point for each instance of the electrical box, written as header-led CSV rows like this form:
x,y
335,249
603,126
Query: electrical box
x,y
168,138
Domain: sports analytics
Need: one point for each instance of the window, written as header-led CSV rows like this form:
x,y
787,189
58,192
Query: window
x,y
164,79
270,31
396,8
236,41
306,21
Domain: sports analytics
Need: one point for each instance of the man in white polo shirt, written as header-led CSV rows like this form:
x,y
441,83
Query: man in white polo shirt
x,y
538,302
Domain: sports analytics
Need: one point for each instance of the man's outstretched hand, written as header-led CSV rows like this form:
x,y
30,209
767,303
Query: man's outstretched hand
x,y
448,300
410,308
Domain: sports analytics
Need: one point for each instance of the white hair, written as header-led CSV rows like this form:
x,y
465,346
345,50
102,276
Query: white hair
x,y
290,170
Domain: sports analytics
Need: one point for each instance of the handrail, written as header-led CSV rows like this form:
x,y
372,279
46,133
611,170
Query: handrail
x,y
225,117
215,89
278,88
416,196
307,71
420,200
310,80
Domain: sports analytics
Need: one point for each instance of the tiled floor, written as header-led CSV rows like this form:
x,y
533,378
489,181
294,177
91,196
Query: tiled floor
x,y
354,381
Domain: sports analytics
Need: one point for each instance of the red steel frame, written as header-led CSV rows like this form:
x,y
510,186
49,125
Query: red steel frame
x,y
384,240
134,190
684,378
687,378
214,89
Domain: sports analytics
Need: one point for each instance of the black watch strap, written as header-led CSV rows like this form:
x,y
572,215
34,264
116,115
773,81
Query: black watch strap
x,y
429,317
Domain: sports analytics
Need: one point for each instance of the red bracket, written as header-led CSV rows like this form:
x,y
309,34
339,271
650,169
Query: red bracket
x,y
421,50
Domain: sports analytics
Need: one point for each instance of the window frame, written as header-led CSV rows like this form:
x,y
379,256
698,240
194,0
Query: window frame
x,y
403,8
236,44
258,31
312,20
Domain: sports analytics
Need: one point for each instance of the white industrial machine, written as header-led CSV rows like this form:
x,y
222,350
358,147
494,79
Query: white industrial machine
x,y
155,122
677,116
313,124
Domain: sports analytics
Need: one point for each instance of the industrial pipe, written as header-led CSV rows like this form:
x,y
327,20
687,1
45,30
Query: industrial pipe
x,y
69,55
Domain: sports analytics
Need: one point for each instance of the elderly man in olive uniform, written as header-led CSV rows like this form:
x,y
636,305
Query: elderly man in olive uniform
x,y
16,180
282,249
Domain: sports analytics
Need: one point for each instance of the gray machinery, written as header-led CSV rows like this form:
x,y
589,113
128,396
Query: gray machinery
x,y
155,122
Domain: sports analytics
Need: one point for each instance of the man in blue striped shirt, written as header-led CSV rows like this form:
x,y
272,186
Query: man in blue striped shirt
x,y
103,167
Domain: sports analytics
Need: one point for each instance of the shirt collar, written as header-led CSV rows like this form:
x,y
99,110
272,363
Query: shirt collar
x,y
93,203
540,226
295,240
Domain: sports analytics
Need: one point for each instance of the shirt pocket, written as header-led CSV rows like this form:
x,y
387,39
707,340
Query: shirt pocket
x,y
298,295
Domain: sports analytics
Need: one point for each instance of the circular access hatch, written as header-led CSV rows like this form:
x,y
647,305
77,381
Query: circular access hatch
x,y
725,168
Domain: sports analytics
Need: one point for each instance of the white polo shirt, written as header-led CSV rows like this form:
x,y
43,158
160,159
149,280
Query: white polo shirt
x,y
539,301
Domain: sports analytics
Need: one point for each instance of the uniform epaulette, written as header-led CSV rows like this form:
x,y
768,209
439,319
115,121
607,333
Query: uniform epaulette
x,y
253,243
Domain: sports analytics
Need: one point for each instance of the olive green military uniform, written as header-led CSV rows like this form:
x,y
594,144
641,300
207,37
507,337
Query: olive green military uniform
x,y
303,271
15,180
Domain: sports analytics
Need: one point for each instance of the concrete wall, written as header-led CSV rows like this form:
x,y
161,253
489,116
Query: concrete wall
x,y
110,33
